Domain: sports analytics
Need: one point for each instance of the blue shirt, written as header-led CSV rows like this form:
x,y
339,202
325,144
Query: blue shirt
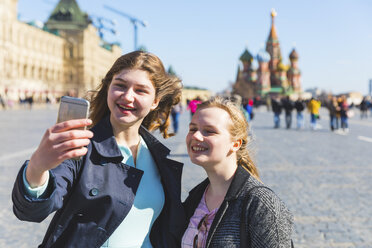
x,y
135,229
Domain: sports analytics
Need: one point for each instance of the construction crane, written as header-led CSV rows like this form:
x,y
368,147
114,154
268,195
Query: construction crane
x,y
103,24
133,20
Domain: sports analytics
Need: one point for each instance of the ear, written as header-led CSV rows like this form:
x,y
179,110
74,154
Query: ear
x,y
155,104
236,145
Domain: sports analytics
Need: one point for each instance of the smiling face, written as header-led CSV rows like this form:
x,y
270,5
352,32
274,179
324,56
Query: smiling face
x,y
130,97
209,141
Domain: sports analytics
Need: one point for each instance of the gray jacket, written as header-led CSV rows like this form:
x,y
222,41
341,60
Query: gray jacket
x,y
251,215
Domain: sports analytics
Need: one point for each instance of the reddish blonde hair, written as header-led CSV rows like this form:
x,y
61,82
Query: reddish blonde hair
x,y
238,131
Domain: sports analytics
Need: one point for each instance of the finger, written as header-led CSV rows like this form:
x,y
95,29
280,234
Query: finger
x,y
73,153
71,135
71,144
71,124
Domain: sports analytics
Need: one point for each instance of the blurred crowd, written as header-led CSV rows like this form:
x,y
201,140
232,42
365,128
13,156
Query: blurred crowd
x,y
339,110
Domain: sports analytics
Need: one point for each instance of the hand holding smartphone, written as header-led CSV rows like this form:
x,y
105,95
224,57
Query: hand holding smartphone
x,y
72,108
65,140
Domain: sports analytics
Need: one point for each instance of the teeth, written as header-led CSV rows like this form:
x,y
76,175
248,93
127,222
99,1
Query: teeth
x,y
198,148
126,108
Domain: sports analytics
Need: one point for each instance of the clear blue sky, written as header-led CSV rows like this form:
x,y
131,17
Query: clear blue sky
x,y
203,40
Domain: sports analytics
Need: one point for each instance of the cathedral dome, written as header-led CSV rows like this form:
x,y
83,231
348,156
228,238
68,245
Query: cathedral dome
x,y
282,67
263,56
246,56
293,55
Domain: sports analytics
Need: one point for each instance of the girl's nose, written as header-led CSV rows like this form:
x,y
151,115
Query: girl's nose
x,y
128,95
198,136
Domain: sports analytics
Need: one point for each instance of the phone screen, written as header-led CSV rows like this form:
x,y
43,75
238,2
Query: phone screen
x,y
72,108
70,111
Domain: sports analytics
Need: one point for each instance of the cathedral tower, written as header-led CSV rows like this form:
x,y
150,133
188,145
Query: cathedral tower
x,y
245,85
263,72
294,73
273,48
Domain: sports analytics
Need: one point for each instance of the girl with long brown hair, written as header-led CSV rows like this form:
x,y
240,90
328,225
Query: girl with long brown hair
x,y
124,192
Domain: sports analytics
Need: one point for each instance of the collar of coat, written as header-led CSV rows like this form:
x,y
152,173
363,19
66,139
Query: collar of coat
x,y
105,143
240,178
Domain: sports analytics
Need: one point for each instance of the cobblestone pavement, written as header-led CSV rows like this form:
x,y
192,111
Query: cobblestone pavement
x,y
323,177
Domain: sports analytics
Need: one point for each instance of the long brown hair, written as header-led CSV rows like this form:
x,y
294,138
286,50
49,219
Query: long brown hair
x,y
167,87
238,131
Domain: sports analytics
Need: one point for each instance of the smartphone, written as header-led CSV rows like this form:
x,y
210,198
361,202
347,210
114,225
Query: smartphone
x,y
72,108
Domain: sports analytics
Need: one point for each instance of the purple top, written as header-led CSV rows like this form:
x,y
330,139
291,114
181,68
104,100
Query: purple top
x,y
192,230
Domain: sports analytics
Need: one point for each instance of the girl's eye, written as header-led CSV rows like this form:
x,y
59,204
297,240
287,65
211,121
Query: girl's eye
x,y
210,131
141,91
120,86
192,130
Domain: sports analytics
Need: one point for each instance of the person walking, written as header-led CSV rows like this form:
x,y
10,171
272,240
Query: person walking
x,y
363,108
277,109
299,105
232,207
333,109
193,104
175,113
288,107
124,191
314,106
344,108
2,102
248,106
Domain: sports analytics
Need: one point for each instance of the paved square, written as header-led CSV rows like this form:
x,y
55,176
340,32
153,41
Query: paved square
x,y
323,177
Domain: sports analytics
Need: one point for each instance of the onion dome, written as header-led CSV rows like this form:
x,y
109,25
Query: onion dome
x,y
293,55
282,67
246,56
263,56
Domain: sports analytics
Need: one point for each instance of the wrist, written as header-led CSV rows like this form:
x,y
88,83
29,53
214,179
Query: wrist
x,y
34,175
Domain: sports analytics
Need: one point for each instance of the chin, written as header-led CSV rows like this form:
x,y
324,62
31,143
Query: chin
x,y
198,161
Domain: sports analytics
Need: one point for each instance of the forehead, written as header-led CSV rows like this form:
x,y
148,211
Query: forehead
x,y
212,116
133,76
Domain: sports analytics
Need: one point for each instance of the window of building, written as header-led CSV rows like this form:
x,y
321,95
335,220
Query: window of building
x,y
71,51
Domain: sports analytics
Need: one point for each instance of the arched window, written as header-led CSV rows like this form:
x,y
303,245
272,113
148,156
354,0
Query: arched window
x,y
71,51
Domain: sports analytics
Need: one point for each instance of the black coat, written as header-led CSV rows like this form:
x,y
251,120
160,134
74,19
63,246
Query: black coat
x,y
251,215
93,196
276,106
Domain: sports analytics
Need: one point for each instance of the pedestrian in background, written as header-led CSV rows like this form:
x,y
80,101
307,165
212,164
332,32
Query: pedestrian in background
x,y
124,191
344,108
193,104
232,207
333,109
175,113
288,107
369,99
299,105
277,109
248,106
314,106
2,102
363,108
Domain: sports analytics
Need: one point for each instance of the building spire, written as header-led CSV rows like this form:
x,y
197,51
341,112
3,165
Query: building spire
x,y
273,35
68,16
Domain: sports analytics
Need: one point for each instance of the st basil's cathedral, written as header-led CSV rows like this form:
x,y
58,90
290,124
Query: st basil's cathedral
x,y
272,77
